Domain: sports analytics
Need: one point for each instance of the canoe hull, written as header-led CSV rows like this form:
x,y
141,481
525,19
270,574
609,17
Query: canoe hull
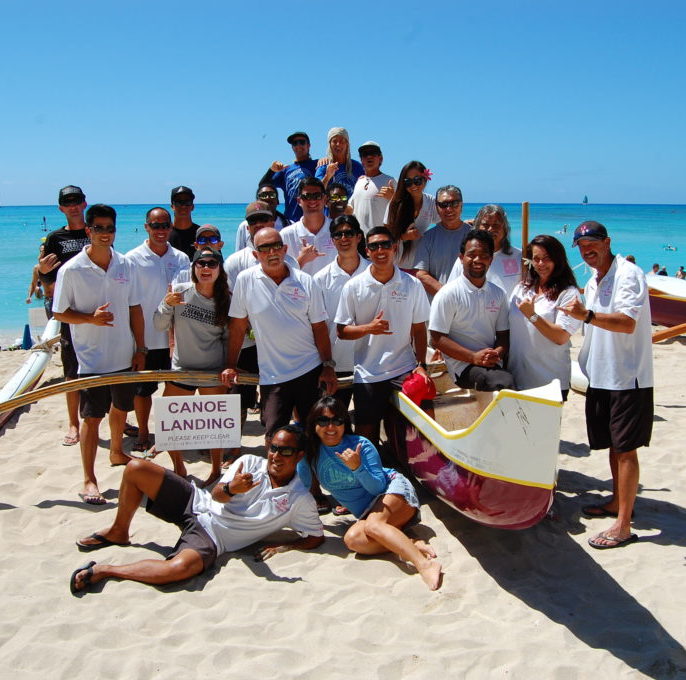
x,y
667,311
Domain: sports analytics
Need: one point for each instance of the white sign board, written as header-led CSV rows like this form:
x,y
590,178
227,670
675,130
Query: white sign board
x,y
210,421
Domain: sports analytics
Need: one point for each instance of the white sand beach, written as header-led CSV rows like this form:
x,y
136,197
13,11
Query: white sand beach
x,y
539,603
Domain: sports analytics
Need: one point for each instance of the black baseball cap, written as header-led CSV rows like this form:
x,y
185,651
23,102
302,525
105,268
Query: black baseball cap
x,y
589,229
210,253
295,135
69,191
182,190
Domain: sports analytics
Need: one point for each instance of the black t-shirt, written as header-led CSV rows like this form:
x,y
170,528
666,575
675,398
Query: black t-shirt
x,y
65,243
183,239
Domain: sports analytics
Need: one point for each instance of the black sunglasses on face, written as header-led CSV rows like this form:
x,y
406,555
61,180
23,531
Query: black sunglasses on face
x,y
448,204
384,245
323,421
267,195
204,240
314,196
76,200
159,225
258,219
181,202
269,247
417,181
285,451
343,233
299,142
210,264
109,229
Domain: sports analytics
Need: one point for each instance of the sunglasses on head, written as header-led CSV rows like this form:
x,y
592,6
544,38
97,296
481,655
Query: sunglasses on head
x,y
417,181
323,421
285,451
179,201
299,142
448,204
209,264
314,196
383,245
269,247
258,219
267,195
204,240
159,225
109,229
343,233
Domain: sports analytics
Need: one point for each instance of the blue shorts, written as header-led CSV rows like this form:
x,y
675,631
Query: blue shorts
x,y
399,485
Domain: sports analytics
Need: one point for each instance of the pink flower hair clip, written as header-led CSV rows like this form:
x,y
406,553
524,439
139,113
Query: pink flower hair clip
x,y
427,174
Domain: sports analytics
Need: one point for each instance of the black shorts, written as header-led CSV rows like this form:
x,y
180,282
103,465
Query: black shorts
x,y
278,401
155,360
485,379
96,401
174,504
247,361
372,399
619,419
70,364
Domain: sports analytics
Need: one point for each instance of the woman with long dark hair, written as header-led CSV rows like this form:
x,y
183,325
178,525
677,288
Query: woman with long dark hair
x,y
198,311
410,211
383,500
539,332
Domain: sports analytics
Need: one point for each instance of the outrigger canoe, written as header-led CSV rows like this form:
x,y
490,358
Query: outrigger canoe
x,y
667,300
492,456
31,371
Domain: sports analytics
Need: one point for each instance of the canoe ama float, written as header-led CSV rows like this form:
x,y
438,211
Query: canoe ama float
x,y
491,456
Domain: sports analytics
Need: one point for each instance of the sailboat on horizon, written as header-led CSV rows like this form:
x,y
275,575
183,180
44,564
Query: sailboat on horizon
x,y
585,201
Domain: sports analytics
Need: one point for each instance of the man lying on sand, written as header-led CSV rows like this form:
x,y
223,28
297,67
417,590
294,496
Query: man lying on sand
x,y
254,498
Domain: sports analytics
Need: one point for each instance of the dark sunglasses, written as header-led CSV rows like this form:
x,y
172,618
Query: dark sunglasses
x,y
74,200
383,245
204,240
315,196
417,181
323,421
285,451
209,264
181,202
159,225
343,233
448,204
338,199
109,229
259,219
269,247
299,142
369,152
267,195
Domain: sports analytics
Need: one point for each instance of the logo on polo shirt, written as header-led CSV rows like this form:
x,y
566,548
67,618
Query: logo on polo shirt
x,y
510,267
492,306
295,293
121,277
281,503
398,295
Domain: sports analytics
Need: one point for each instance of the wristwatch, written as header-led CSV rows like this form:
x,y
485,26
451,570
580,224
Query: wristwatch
x,y
329,363
142,350
227,490
533,318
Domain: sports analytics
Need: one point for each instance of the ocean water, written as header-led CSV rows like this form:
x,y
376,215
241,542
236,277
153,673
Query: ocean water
x,y
642,230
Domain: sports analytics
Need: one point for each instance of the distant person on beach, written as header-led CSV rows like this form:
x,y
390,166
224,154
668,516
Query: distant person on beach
x,y
617,359
35,287
309,240
663,272
681,274
631,258
439,248
97,293
373,190
385,311
288,177
410,211
337,165
382,500
506,268
155,264
539,331
655,269
59,247
253,499
197,314
183,231
266,193
286,311
469,321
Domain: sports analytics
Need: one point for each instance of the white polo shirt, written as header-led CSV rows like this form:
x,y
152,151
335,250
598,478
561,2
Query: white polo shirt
x,y
331,280
369,208
82,286
403,303
505,270
619,361
243,235
293,236
469,315
533,359
153,274
281,317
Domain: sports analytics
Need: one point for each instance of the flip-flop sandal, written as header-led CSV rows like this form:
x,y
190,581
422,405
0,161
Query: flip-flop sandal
x,y
88,568
102,542
131,430
93,498
340,510
70,440
323,507
616,542
141,445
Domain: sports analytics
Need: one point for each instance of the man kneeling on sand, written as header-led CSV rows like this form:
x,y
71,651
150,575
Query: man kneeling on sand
x,y
254,498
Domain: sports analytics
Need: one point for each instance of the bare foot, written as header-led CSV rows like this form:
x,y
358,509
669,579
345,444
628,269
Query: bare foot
x,y
431,575
118,458
424,548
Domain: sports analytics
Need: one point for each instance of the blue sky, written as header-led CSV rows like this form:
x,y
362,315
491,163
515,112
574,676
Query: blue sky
x,y
511,100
